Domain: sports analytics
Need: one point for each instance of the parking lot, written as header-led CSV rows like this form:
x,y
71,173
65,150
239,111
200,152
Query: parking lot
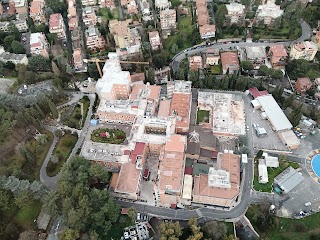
x,y
306,191
272,140
147,187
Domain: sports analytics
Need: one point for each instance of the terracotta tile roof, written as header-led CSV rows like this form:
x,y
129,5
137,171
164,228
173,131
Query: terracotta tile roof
x,y
164,108
256,93
207,29
180,106
138,150
128,180
278,51
153,34
36,7
137,77
229,60
55,20
154,91
203,19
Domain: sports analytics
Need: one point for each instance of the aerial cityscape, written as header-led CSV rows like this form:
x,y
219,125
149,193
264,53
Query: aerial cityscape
x,y
159,119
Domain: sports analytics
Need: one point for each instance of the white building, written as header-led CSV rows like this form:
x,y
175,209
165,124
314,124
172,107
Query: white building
x,y
236,12
263,171
39,44
219,178
11,57
162,4
269,12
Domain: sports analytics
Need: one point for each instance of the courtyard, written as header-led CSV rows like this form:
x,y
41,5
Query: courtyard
x,y
108,135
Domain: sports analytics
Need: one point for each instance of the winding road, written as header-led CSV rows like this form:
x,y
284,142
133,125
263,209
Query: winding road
x,y
51,182
306,34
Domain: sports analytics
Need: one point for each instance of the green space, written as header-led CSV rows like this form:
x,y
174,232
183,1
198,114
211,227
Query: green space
x,y
270,227
200,168
25,216
77,119
118,227
272,173
203,116
29,156
61,153
290,32
106,135
108,14
215,69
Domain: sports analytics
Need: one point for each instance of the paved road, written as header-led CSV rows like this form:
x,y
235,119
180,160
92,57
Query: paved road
x,y
306,34
51,182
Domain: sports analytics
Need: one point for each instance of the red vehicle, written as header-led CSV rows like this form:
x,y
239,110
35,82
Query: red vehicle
x,y
146,174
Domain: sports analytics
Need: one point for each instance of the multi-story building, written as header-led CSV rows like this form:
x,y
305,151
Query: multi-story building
x,y
195,63
39,44
11,57
236,13
94,38
303,84
278,56
37,12
22,25
168,19
172,163
317,39
89,16
145,10
155,40
132,7
212,57
268,12
256,55
162,4
78,59
221,186
207,31
229,62
304,50
21,6
107,3
72,15
56,25
88,2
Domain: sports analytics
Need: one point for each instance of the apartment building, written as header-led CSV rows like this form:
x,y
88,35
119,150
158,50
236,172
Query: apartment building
x,y
195,63
39,45
236,13
256,55
304,50
172,163
317,39
94,38
132,7
37,12
22,25
221,186
88,2
155,40
78,58
21,6
144,7
162,4
89,16
229,62
268,12
303,84
56,25
107,3
278,56
207,31
212,57
11,57
168,19
180,106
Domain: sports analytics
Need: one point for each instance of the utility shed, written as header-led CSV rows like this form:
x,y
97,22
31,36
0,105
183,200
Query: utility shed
x,y
288,179
263,171
187,187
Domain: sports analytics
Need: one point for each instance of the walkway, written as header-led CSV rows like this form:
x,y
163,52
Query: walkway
x,y
51,182
308,164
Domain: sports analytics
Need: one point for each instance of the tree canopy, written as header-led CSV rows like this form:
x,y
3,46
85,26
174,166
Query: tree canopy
x,y
84,206
39,63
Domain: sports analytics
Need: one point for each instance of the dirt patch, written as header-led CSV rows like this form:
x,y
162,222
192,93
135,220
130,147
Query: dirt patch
x,y
57,50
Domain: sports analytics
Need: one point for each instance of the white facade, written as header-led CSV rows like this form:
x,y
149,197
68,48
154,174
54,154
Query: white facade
x,y
269,12
219,178
235,12
162,4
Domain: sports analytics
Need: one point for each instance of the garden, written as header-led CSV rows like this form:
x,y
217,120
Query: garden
x,y
77,119
203,116
61,153
106,135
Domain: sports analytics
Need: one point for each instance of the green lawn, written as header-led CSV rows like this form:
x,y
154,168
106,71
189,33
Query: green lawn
x,y
116,231
25,216
285,228
203,116
86,104
215,69
272,173
108,14
62,152
116,136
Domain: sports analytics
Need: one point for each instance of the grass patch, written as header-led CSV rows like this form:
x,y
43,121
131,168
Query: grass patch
x,y
108,14
117,229
25,216
215,69
285,228
61,153
77,119
203,116
106,135
272,173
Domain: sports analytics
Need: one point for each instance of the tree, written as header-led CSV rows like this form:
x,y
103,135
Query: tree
x,y
4,200
246,65
23,199
84,207
170,231
17,47
7,42
264,70
236,33
151,76
276,74
56,6
297,68
132,214
69,234
174,48
215,230
195,229
289,101
39,63
259,154
220,15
